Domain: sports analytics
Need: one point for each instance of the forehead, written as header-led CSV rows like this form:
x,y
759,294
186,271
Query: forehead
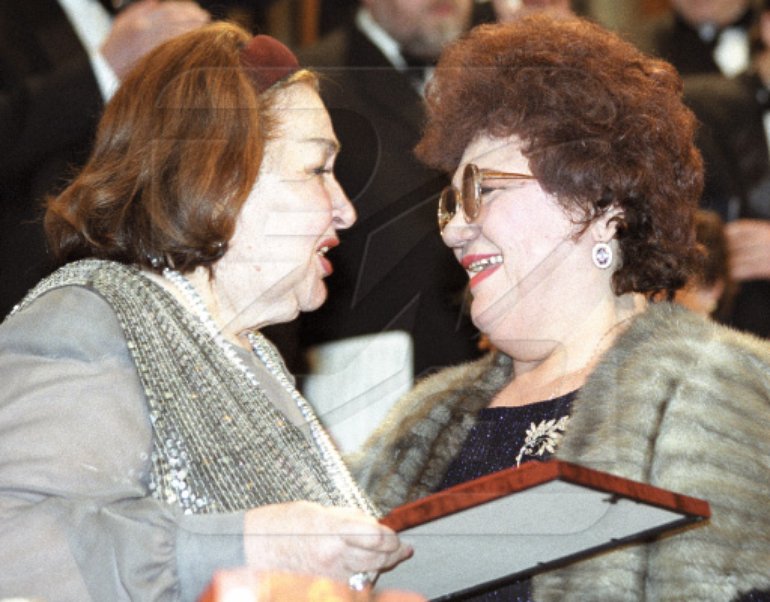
x,y
493,153
301,113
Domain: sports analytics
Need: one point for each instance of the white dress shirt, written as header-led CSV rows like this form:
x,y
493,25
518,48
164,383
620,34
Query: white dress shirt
x,y
92,24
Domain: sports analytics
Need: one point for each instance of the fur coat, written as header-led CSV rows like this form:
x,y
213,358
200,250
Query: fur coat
x,y
678,402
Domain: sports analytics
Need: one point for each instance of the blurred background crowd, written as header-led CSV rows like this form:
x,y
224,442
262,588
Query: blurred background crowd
x,y
397,291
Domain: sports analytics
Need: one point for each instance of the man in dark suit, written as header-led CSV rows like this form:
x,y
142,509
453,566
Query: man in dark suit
x,y
392,271
735,117
50,101
700,36
395,305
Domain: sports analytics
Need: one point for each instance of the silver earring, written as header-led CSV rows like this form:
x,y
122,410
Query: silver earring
x,y
602,255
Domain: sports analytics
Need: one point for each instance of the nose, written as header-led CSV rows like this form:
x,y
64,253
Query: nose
x,y
343,212
457,233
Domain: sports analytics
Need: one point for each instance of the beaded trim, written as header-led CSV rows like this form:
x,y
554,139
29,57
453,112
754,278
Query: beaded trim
x,y
269,356
219,444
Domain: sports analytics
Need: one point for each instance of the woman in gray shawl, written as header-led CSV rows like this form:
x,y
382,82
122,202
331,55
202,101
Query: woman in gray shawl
x,y
148,433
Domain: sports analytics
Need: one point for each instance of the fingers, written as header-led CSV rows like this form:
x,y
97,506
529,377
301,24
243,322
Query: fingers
x,y
308,537
374,538
360,559
354,542
372,547
749,247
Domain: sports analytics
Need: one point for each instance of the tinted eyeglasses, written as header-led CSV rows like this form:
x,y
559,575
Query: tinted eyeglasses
x,y
469,195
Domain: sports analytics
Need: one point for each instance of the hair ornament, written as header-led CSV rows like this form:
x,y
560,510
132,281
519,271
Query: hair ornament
x,y
267,61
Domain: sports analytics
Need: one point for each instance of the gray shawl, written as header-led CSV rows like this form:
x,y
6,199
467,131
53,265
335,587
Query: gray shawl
x,y
678,402
219,444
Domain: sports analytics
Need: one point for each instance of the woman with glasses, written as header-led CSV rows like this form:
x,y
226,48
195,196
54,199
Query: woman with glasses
x,y
575,182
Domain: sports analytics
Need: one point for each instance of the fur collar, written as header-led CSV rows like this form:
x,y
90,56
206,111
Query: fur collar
x,y
678,401
407,456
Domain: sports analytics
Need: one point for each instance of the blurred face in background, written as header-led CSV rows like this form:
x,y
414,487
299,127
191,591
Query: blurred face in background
x,y
422,27
715,12
507,10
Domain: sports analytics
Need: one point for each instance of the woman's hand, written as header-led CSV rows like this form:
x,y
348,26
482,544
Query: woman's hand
x,y
748,241
305,537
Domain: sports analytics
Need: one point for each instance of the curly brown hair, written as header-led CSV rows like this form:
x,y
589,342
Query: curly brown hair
x,y
602,125
177,152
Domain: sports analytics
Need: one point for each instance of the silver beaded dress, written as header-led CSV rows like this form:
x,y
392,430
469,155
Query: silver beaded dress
x,y
130,446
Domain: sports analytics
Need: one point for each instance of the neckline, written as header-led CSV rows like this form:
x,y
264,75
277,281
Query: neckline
x,y
569,396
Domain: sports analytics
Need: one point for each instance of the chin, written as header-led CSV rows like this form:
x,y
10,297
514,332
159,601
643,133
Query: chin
x,y
314,298
485,315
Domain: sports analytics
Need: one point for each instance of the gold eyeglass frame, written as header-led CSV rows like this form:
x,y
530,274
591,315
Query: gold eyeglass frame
x,y
470,196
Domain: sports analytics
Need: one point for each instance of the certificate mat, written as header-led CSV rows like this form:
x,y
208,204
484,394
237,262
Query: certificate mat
x,y
520,521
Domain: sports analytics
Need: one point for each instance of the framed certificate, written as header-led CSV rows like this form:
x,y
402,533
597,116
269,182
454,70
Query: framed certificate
x,y
520,521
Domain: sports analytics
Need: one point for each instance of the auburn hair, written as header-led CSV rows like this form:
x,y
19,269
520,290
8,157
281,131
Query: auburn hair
x,y
176,154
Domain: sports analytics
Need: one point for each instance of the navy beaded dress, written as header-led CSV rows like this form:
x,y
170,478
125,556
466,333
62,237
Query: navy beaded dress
x,y
503,437
509,436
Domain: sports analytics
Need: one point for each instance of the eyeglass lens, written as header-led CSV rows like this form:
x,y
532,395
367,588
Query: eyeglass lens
x,y
451,198
471,186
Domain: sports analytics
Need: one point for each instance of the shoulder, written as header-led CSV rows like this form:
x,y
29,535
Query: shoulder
x,y
450,387
669,345
667,333
674,367
407,455
330,51
423,413
69,322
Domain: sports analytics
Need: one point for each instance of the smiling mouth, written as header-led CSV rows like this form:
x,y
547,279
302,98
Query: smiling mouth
x,y
482,264
322,251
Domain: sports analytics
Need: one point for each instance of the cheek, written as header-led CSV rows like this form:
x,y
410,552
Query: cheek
x,y
296,237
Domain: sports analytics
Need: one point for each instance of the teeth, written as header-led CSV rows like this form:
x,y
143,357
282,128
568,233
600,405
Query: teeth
x,y
482,264
322,251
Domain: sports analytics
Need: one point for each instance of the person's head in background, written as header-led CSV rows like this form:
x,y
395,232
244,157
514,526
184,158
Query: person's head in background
x,y
711,292
422,27
759,38
718,13
505,10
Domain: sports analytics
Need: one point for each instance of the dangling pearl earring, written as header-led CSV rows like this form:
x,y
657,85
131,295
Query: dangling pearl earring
x,y
602,255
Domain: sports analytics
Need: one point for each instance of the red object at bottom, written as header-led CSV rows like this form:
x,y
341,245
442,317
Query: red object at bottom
x,y
249,585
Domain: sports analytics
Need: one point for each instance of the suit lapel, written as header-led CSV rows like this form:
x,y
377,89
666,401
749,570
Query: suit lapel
x,y
381,85
49,37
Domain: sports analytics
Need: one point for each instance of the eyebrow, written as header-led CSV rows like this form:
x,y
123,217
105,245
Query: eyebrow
x,y
332,146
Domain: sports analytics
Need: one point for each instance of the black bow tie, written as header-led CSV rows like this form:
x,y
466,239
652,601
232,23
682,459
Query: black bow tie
x,y
107,4
418,68
417,62
114,6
